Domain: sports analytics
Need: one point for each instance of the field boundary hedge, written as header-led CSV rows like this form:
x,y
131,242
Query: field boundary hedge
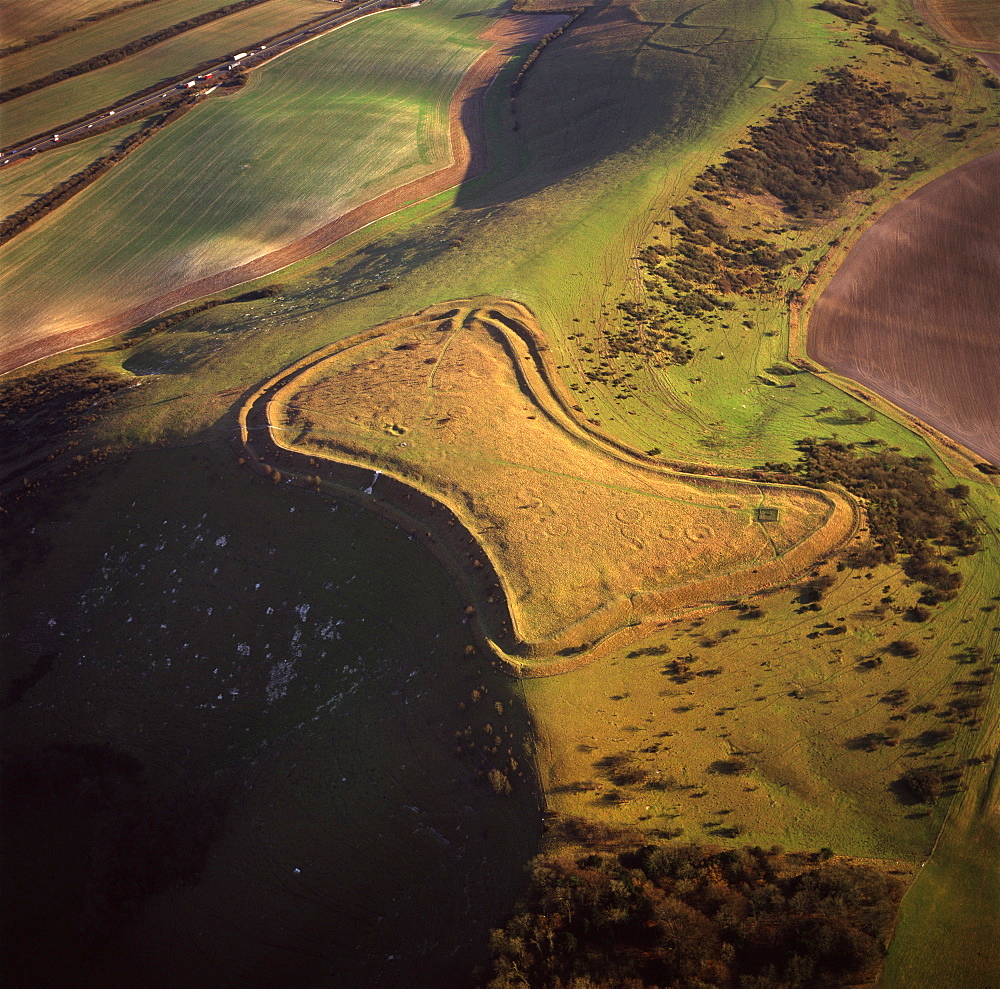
x,y
575,13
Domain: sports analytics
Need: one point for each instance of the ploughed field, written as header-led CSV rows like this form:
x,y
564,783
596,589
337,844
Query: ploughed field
x,y
914,310
586,538
968,22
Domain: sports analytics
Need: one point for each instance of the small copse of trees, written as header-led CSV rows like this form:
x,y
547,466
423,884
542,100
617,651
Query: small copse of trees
x,y
687,916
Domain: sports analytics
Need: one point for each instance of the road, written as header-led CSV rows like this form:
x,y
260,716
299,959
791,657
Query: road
x,y
254,58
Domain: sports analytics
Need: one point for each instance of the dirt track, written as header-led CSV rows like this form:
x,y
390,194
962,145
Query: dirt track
x,y
914,310
468,150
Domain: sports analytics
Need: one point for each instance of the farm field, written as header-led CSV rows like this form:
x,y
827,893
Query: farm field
x,y
47,108
267,188
914,310
975,23
787,716
19,186
33,63
28,18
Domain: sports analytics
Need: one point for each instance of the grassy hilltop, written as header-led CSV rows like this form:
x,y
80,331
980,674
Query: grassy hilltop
x,y
851,710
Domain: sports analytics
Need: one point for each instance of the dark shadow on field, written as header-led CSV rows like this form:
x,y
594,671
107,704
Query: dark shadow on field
x,y
491,12
261,774
597,91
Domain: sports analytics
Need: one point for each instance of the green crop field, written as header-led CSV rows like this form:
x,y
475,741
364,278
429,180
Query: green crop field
x,y
776,720
325,128
47,108
131,25
30,179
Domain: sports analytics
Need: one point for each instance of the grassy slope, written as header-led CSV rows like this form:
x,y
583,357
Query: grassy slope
x,y
171,620
39,61
328,127
948,924
72,98
575,228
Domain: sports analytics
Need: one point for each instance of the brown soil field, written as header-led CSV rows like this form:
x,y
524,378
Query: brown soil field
x,y
914,310
571,541
992,60
468,159
974,23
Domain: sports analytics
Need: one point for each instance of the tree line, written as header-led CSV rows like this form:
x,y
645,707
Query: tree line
x,y
574,12
891,39
854,13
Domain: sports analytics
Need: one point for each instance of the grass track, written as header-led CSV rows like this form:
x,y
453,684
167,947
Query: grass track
x,y
73,98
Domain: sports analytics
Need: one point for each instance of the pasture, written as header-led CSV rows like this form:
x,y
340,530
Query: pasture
x,y
293,679
790,727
